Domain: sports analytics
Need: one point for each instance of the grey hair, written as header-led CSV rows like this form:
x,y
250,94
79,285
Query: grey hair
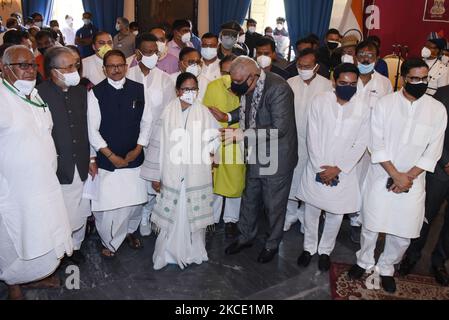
x,y
8,54
244,62
51,57
124,21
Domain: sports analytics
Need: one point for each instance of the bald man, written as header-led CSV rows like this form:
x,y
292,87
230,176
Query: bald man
x,y
34,226
167,62
267,112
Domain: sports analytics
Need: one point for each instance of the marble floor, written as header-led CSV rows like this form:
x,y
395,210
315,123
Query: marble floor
x,y
130,275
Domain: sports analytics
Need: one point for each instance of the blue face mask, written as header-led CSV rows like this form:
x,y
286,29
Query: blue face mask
x,y
345,92
366,68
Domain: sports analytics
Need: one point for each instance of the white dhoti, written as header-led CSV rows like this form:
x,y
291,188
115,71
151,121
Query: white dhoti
x,y
295,211
147,209
78,208
179,245
14,270
330,232
394,250
231,212
114,225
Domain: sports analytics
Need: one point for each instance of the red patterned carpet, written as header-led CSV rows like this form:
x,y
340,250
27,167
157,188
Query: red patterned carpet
x,y
411,287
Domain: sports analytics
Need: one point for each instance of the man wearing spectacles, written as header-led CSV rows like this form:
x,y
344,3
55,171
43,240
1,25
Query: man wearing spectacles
x,y
407,135
337,137
67,101
371,87
34,226
159,90
119,125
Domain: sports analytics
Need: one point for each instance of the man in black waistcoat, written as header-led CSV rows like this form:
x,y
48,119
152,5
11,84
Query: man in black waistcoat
x,y
119,128
67,101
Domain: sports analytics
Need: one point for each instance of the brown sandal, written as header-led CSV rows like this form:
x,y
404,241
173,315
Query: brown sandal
x,y
107,254
134,242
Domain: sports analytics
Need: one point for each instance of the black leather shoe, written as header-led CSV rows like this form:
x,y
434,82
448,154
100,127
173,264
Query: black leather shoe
x,y
236,247
388,283
304,259
356,272
266,255
231,230
406,267
324,262
441,275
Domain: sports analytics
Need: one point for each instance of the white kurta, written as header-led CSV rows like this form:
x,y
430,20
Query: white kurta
x,y
407,134
212,71
378,87
31,203
303,96
93,69
122,187
336,136
438,75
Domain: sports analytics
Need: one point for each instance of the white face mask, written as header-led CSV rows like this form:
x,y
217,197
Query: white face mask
x,y
135,33
194,69
426,53
25,87
149,62
252,29
186,37
86,21
117,84
189,97
346,58
38,24
228,42
242,38
162,48
279,26
264,61
70,79
269,34
117,27
306,74
69,22
209,53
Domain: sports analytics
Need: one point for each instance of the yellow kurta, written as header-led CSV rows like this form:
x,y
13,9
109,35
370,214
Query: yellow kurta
x,y
229,179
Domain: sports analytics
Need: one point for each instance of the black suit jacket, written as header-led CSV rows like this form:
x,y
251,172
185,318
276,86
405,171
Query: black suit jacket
x,y
442,95
69,114
276,111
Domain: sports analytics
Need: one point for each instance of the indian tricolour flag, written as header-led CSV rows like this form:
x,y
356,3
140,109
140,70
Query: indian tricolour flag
x,y
347,15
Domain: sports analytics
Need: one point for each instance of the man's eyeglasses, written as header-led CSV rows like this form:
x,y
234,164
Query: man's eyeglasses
x,y
368,55
24,65
418,79
112,67
189,89
70,67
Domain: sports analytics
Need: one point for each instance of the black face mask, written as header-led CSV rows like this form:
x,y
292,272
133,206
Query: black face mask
x,y
332,45
240,89
417,90
42,50
345,92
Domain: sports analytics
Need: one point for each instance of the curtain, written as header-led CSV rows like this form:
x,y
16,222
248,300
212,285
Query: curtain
x,y
44,7
308,16
222,11
105,13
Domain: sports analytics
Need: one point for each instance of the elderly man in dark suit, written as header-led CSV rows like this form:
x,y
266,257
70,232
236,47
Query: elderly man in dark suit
x,y
437,191
267,118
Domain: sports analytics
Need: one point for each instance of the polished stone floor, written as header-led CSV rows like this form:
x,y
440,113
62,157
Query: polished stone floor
x,y
130,275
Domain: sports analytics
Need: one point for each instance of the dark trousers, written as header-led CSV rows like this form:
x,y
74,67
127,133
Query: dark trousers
x,y
271,193
437,191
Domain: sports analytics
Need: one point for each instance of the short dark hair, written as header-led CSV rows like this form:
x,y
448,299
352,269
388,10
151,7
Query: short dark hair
x,y
99,33
179,24
3,47
367,44
265,41
36,14
15,36
184,77
374,39
142,37
134,25
54,22
251,20
307,40
314,37
308,51
229,58
185,51
10,22
209,35
111,53
412,63
332,31
42,34
345,68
